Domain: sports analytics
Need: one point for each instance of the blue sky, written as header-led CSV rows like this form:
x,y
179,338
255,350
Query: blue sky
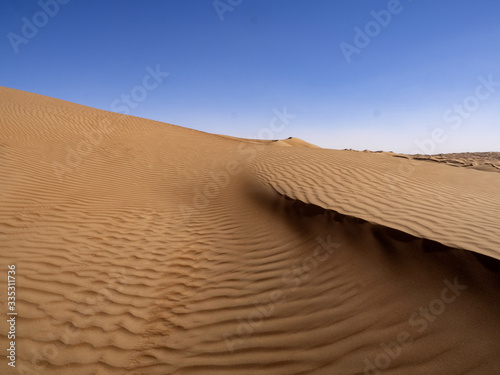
x,y
419,76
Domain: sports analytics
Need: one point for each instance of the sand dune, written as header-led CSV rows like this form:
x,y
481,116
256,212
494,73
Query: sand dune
x,y
147,248
484,161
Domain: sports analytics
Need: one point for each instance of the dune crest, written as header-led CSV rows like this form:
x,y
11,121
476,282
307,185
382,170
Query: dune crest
x,y
147,248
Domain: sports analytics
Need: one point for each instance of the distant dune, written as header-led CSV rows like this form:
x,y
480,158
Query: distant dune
x,y
147,248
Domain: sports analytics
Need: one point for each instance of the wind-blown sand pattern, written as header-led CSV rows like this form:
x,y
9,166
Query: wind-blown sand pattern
x,y
147,248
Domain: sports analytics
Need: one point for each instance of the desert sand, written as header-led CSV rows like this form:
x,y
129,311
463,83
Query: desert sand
x,y
147,248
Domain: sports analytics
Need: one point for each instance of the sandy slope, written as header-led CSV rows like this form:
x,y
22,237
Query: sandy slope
x,y
147,248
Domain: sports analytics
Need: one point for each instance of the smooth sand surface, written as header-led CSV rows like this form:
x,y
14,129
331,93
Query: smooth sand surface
x,y
147,248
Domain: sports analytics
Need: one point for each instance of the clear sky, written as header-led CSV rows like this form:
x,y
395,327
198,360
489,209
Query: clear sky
x,y
407,76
